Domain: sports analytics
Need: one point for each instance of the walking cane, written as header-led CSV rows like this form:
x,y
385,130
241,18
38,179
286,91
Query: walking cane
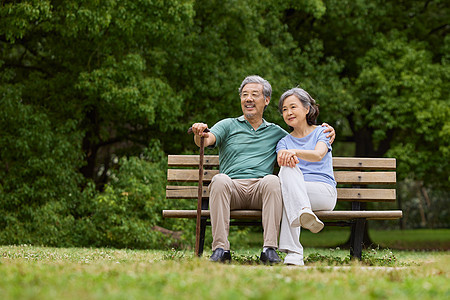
x,y
200,192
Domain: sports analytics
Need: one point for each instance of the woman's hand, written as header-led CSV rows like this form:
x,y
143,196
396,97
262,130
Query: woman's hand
x,y
332,133
287,158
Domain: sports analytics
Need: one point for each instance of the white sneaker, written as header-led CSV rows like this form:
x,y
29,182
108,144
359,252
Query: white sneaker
x,y
310,221
293,258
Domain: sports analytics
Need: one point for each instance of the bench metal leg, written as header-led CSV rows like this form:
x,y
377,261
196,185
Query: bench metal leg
x,y
356,238
357,232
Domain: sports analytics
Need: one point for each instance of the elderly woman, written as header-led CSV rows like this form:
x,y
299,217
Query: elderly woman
x,y
306,172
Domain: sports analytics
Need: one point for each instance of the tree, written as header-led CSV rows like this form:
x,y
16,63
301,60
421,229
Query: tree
x,y
88,87
411,95
81,83
394,79
93,82
99,64
392,96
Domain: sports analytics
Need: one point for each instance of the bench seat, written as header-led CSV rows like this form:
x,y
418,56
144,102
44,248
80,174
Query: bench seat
x,y
360,181
323,215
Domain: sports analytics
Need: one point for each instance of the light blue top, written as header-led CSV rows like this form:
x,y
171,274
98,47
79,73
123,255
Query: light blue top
x,y
244,152
321,171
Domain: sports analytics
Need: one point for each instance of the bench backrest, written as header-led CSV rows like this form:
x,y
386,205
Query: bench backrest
x,y
359,179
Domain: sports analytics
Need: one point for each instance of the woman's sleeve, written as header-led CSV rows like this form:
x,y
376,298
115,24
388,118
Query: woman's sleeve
x,y
281,145
322,137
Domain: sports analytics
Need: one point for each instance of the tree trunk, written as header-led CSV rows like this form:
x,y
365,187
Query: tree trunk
x,y
90,147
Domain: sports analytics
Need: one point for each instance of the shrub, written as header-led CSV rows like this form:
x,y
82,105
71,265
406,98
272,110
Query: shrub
x,y
130,205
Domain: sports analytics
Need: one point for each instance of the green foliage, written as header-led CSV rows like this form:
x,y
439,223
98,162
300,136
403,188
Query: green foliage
x,y
424,208
86,86
411,96
327,259
83,84
124,214
38,178
245,259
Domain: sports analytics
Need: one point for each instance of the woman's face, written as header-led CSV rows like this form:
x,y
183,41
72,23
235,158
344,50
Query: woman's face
x,y
294,113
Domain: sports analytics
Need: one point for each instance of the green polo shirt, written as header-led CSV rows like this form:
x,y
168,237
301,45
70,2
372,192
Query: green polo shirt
x,y
245,152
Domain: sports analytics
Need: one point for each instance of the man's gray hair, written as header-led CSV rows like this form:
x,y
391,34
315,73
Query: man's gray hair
x,y
267,88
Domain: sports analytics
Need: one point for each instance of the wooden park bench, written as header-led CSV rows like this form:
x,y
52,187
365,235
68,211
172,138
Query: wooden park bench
x,y
360,180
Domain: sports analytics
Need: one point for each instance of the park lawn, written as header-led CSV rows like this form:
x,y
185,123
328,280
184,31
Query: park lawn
x,y
425,239
28,272
332,237
419,239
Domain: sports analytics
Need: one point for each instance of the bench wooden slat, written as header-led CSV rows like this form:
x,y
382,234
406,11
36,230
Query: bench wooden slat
x,y
188,175
192,160
184,192
364,163
380,195
355,163
352,177
343,194
343,177
323,215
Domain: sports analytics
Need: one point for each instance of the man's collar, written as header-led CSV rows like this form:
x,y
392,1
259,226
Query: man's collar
x,y
241,118
264,123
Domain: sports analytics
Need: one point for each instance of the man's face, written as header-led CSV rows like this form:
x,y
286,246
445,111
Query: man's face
x,y
252,100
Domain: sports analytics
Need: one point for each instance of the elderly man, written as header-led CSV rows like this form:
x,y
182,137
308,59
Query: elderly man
x,y
247,155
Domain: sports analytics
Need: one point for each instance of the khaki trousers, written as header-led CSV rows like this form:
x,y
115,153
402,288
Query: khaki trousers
x,y
226,194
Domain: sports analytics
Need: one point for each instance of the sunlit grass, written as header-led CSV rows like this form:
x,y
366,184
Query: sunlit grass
x,y
28,272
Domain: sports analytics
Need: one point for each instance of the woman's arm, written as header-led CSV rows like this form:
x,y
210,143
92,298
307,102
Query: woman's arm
x,y
285,157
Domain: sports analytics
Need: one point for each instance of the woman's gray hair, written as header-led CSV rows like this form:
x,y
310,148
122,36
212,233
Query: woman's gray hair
x,y
306,100
267,88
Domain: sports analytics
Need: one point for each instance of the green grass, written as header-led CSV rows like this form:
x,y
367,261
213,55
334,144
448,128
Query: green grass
x,y
331,237
28,272
424,239
421,239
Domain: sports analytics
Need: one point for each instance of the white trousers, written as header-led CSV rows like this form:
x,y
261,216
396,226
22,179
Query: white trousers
x,y
298,194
